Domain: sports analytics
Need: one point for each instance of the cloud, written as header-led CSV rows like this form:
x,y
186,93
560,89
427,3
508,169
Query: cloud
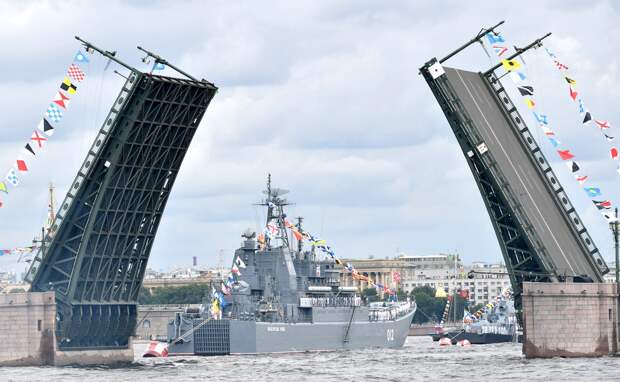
x,y
326,96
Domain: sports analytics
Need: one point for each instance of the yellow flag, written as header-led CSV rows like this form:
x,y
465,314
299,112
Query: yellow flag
x,y
510,65
3,188
570,81
441,293
530,103
319,242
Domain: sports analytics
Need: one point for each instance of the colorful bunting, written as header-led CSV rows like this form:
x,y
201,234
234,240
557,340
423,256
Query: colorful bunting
x,y
45,130
565,154
592,191
61,100
573,166
68,86
12,178
570,81
45,127
239,262
53,113
517,77
235,270
603,125
560,65
511,65
80,57
38,139
494,38
28,149
541,118
530,103
602,204
499,50
76,73
581,179
158,66
573,93
21,165
526,90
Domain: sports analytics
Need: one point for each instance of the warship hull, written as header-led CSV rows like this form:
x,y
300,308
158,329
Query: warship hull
x,y
221,337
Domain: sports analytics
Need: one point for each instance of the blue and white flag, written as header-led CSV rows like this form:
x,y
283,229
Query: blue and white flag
x,y
158,66
53,113
541,118
517,77
12,178
592,191
80,57
494,38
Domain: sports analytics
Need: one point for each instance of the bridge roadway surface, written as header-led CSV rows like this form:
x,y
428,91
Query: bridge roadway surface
x,y
525,178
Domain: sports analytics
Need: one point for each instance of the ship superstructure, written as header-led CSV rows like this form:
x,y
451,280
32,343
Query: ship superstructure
x,y
285,299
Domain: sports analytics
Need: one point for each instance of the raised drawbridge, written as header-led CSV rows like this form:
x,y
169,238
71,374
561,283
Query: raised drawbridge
x,y
540,234
97,251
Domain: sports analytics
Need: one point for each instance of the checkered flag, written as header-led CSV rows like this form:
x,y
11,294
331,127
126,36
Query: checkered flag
x,y
76,73
53,113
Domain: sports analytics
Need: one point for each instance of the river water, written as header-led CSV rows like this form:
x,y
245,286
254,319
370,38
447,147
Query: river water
x,y
420,360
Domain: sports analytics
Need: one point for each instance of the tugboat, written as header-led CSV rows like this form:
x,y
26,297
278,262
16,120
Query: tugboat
x,y
283,299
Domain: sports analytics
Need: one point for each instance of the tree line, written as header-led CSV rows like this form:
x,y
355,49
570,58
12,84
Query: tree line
x,y
430,309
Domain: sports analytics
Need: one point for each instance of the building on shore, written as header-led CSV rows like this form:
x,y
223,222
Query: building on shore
x,y
442,271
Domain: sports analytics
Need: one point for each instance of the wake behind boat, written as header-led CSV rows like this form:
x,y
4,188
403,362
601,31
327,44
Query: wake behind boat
x,y
283,299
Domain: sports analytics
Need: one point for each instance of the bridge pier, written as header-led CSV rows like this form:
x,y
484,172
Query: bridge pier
x,y
569,319
27,335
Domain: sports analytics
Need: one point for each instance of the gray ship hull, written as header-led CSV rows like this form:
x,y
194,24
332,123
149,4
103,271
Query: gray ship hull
x,y
219,337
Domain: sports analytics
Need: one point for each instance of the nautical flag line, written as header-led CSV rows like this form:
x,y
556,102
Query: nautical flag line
x,y
527,91
47,125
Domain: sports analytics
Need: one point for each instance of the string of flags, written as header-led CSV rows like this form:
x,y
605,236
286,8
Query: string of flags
x,y
218,300
18,250
272,231
45,128
518,76
604,127
446,310
321,245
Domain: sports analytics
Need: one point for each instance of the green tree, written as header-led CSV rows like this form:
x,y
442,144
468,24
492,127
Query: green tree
x,y
189,294
370,294
429,308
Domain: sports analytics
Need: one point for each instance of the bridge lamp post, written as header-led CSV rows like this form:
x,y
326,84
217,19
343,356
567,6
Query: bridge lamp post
x,y
615,228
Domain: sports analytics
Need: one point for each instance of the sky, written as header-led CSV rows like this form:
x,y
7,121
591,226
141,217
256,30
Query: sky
x,y
325,96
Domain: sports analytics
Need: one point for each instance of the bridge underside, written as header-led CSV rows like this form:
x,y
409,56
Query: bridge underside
x,y
540,234
102,237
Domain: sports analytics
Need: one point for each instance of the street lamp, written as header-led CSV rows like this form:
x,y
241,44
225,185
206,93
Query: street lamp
x,y
614,225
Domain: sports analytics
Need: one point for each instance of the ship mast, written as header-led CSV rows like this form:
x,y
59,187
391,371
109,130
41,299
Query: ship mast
x,y
275,204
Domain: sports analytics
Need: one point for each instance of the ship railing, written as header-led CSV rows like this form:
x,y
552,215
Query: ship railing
x,y
389,312
322,302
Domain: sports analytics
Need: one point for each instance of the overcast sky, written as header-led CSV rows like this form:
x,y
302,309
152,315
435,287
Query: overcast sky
x,y
325,95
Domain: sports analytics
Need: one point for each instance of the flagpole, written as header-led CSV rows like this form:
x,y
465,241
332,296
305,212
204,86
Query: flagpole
x,y
473,40
161,60
535,44
110,55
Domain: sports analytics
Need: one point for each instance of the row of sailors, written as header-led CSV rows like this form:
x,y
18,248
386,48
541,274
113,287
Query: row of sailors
x,y
330,301
390,312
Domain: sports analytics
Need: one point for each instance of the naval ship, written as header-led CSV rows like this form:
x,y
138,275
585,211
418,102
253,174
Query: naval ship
x,y
287,299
